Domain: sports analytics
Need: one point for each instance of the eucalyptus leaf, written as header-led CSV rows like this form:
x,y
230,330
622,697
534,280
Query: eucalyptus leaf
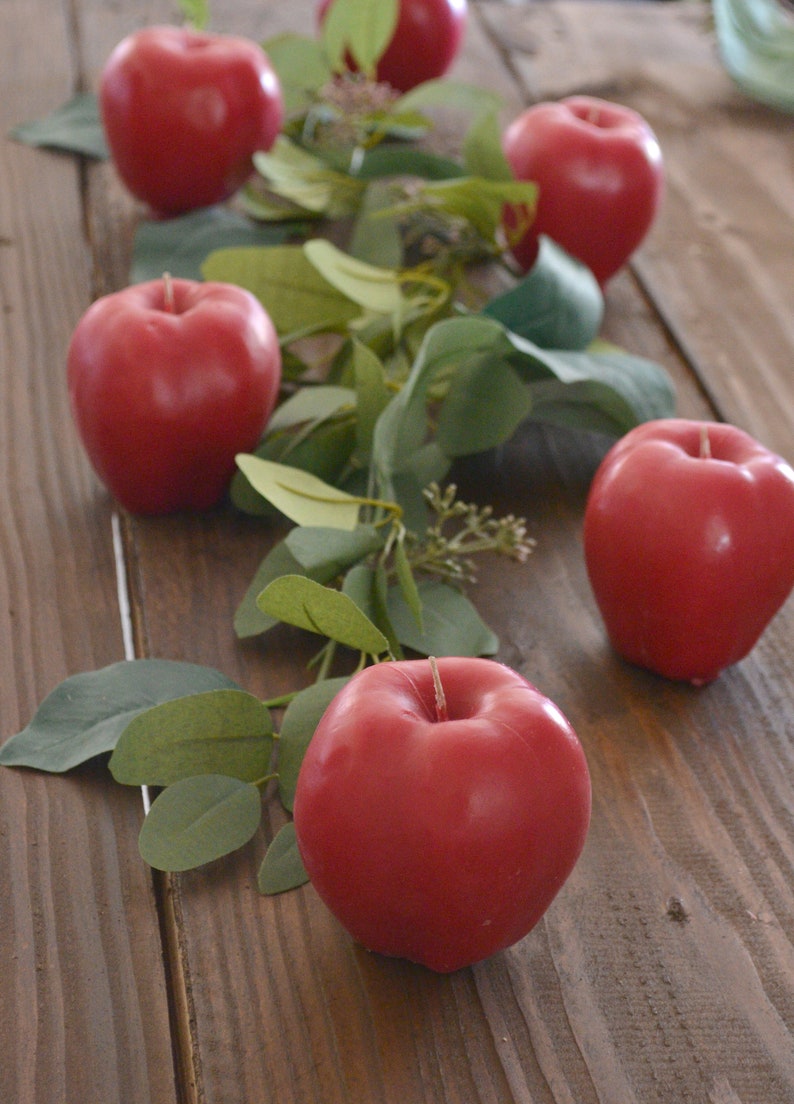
x,y
329,552
372,397
360,29
180,245
374,289
196,13
311,404
451,624
400,160
198,820
483,155
75,127
484,406
307,181
376,238
450,94
557,305
477,200
85,715
300,601
300,720
249,619
226,732
282,867
295,295
301,496
400,436
301,66
408,586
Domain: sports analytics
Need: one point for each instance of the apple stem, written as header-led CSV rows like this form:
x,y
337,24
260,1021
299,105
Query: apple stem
x,y
168,291
441,701
705,443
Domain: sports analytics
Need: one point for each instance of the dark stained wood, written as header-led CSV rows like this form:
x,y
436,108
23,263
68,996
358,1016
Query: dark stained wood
x,y
84,1005
664,971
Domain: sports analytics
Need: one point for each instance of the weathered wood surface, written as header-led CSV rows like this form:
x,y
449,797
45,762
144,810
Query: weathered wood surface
x,y
664,971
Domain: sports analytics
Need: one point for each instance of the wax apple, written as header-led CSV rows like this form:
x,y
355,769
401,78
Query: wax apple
x,y
689,545
184,112
168,381
599,171
426,40
438,825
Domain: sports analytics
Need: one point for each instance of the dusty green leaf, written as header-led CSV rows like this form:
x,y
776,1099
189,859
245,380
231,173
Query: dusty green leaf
x,y
301,66
311,404
451,625
85,715
198,820
374,289
180,245
215,732
300,720
557,305
282,867
321,551
75,127
484,406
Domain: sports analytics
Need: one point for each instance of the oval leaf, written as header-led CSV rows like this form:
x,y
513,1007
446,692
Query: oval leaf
x,y
451,624
218,732
360,28
86,714
320,609
303,497
198,820
301,718
282,868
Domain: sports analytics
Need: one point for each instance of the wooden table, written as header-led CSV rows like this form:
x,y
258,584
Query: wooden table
x,y
664,971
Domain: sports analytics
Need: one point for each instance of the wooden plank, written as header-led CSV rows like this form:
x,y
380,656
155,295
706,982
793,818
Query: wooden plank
x,y
83,1013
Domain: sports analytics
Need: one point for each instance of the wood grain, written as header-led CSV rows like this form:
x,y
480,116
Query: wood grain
x,y
83,1012
664,970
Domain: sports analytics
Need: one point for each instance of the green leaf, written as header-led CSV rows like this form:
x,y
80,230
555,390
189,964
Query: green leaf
x,y
376,239
301,66
320,609
328,552
483,155
295,295
196,13
609,392
398,160
311,404
372,398
478,201
400,454
76,127
198,820
407,584
300,720
249,620
450,94
557,305
374,289
215,732
301,496
452,626
181,245
307,181
86,714
485,405
360,28
282,867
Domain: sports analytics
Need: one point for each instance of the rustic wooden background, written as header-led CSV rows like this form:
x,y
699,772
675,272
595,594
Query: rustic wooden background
x,y
664,971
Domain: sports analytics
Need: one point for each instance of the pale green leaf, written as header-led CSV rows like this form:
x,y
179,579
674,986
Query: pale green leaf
x,y
295,295
198,820
301,66
374,289
301,496
360,28
311,404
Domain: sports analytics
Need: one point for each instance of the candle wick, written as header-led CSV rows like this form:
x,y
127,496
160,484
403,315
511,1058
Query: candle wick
x,y
705,443
441,701
168,291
